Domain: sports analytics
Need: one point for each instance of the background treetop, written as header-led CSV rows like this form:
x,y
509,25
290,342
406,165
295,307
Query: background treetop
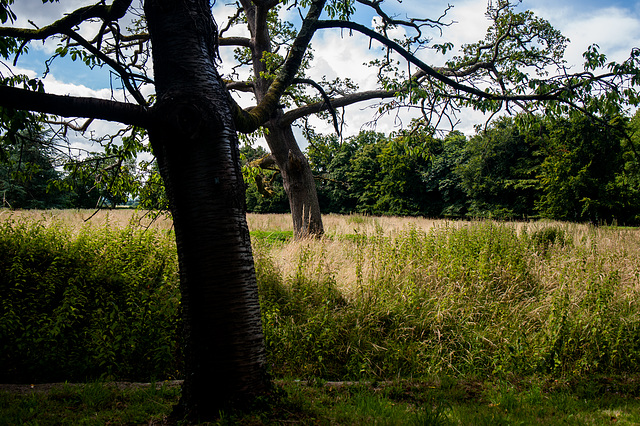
x,y
500,71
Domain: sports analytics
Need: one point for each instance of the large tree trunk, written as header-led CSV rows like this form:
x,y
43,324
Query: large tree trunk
x,y
296,173
195,143
297,178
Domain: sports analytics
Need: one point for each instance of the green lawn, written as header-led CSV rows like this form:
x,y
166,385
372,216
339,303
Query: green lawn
x,y
445,401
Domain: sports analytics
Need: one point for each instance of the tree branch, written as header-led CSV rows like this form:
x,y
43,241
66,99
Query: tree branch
x,y
125,75
107,13
249,121
235,41
291,116
74,106
407,56
240,86
553,94
325,97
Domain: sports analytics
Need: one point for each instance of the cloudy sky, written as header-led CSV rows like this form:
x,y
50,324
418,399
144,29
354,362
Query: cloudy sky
x,y
614,25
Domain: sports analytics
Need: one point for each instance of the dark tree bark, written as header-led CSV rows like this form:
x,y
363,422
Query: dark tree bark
x,y
297,179
193,137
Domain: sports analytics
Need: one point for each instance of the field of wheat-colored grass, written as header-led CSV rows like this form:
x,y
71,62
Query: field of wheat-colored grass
x,y
78,218
615,248
334,224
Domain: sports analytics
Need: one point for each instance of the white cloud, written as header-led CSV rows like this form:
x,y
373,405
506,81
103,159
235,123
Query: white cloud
x,y
615,30
36,14
338,54
54,86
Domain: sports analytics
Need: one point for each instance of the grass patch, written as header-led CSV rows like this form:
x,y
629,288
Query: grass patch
x,y
93,403
447,401
271,237
482,299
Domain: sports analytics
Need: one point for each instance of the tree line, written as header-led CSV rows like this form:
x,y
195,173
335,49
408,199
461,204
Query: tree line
x,y
37,171
571,168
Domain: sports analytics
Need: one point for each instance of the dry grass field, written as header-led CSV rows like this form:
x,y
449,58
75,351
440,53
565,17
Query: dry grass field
x,y
334,224
78,218
616,250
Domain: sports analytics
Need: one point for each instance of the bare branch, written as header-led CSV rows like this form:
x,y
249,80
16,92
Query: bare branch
x,y
326,101
73,106
235,41
240,86
553,94
125,75
416,23
291,116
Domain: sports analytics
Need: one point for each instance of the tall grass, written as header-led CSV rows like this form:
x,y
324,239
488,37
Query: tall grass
x,y
457,298
376,298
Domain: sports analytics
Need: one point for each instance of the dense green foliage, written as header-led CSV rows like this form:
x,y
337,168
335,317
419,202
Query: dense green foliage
x,y
588,172
27,172
265,191
37,170
475,299
573,168
564,168
102,302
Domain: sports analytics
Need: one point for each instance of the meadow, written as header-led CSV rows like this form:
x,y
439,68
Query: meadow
x,y
405,319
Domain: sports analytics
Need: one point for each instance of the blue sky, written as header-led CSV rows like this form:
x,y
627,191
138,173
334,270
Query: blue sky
x,y
614,25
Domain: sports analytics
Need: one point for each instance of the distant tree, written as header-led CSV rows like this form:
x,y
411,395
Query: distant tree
x,y
329,158
404,161
99,180
445,192
409,173
518,65
579,175
628,179
265,189
500,174
363,177
152,195
346,171
28,174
